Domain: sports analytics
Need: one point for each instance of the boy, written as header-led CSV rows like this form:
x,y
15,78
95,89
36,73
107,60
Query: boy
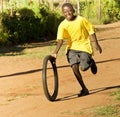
x,y
78,32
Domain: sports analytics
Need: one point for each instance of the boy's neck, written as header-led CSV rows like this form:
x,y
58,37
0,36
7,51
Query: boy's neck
x,y
73,18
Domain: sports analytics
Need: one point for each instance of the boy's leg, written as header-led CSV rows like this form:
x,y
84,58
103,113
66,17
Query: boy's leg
x,y
87,61
75,68
74,60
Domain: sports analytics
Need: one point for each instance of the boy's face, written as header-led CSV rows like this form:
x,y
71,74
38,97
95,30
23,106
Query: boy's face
x,y
67,12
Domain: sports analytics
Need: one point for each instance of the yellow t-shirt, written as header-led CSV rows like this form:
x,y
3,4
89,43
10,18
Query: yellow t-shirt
x,y
77,34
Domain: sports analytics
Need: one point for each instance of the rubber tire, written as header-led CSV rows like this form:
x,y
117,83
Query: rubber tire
x,y
44,78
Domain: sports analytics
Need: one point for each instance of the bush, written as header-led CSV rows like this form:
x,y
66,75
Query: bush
x,y
111,11
27,26
38,23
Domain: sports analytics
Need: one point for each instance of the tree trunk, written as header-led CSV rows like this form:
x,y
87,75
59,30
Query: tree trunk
x,y
41,1
78,7
11,7
1,6
99,10
65,1
51,4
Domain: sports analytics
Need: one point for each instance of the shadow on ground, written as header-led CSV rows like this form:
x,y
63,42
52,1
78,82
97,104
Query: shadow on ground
x,y
93,91
58,67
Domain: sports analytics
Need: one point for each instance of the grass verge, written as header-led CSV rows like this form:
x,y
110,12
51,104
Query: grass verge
x,y
33,50
112,110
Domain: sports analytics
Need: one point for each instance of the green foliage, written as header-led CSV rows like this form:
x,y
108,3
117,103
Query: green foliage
x,y
108,111
33,22
4,39
88,10
27,25
116,94
111,11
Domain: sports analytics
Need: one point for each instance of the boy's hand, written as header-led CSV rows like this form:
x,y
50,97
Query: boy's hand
x,y
54,55
99,48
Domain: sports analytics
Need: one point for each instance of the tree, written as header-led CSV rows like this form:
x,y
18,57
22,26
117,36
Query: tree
x,y
78,7
11,7
1,6
99,10
51,4
65,1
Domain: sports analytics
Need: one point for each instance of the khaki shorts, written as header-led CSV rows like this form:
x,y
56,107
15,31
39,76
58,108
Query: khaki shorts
x,y
79,57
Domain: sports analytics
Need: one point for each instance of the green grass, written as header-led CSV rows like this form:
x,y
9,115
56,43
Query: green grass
x,y
111,110
107,111
69,112
12,98
101,111
116,94
34,50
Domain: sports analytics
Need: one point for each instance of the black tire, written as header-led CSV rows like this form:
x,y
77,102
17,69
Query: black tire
x,y
50,97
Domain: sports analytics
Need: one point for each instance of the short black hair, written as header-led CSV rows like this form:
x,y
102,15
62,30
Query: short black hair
x,y
68,5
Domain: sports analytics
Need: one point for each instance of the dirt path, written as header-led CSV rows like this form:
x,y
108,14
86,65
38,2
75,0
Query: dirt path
x,y
21,91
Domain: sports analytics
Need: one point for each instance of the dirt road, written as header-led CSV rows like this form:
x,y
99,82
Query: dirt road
x,y
21,91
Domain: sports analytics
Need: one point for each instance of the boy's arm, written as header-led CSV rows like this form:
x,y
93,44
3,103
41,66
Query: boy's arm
x,y
58,46
93,38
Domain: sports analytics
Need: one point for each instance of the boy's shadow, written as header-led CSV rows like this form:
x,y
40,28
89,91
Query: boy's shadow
x,y
93,91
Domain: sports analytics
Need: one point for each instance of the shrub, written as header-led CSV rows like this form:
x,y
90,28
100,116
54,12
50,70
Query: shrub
x,y
111,11
27,26
39,23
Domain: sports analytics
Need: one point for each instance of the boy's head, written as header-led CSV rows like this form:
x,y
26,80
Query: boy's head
x,y
68,11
